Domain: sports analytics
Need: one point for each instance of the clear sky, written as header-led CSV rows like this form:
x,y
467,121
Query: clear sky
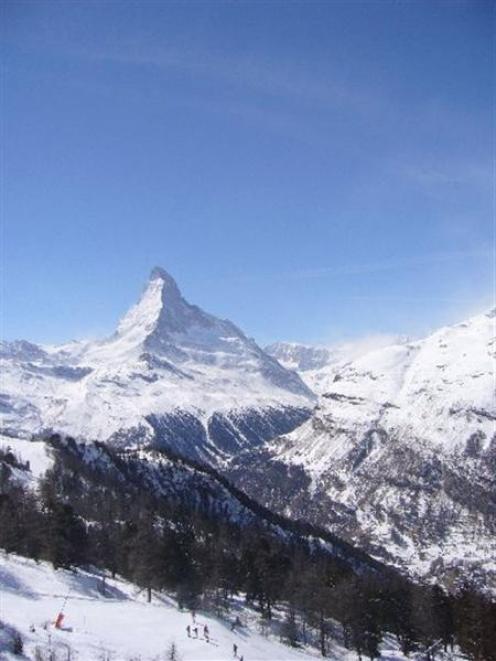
x,y
311,170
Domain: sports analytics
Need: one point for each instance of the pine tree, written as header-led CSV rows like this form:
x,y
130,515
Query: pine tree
x,y
66,540
172,653
289,629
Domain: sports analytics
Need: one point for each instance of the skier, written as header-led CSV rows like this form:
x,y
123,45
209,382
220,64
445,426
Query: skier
x,y
188,631
195,631
205,633
235,650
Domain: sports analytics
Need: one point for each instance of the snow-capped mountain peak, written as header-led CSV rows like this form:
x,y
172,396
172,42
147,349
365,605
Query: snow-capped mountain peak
x,y
142,318
162,308
170,370
162,320
159,273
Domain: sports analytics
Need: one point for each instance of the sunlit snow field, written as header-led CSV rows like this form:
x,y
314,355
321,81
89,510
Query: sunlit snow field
x,y
120,624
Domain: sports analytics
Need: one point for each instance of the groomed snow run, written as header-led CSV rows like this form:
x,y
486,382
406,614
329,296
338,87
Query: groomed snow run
x,y
121,625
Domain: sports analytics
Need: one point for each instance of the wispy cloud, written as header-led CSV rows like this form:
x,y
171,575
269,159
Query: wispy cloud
x,y
290,88
454,173
249,72
280,96
380,266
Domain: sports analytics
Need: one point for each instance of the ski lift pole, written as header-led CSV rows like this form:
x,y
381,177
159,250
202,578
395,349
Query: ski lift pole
x,y
65,600
60,616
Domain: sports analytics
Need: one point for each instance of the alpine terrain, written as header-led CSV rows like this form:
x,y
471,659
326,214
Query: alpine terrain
x,y
157,557
399,456
180,466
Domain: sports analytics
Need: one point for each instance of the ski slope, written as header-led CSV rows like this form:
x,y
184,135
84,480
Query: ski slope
x,y
121,625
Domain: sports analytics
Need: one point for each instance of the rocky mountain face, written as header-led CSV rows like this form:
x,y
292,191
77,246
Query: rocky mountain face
x,y
171,374
399,456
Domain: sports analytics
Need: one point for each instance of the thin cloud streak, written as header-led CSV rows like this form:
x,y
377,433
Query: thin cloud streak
x,y
268,77
262,76
325,93
374,267
289,81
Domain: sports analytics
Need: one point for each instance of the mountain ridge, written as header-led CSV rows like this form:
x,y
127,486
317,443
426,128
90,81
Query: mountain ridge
x,y
399,455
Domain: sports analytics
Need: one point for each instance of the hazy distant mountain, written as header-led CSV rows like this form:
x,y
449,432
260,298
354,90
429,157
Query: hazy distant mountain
x,y
318,365
300,357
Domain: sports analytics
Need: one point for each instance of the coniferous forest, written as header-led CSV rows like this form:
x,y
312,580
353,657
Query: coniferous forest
x,y
196,536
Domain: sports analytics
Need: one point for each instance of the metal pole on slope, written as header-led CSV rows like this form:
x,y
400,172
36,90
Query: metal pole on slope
x,y
60,616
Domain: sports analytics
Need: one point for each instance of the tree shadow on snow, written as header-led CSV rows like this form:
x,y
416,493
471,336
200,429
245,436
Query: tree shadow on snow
x,y
11,583
90,586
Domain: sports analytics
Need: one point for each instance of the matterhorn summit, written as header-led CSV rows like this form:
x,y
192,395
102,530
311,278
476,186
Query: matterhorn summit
x,y
164,323
170,375
161,310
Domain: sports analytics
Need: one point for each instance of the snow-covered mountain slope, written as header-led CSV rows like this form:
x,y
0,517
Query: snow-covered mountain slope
x,y
440,390
112,620
171,372
317,365
400,454
27,461
113,490
164,476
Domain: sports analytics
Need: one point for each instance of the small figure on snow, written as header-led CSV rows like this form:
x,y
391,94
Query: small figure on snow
x,y
193,616
235,650
206,633
236,623
188,631
195,631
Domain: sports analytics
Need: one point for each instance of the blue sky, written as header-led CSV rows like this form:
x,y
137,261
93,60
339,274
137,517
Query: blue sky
x,y
311,170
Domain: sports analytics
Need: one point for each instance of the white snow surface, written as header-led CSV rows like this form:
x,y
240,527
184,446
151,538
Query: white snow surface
x,y
166,355
121,626
439,390
316,363
37,453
